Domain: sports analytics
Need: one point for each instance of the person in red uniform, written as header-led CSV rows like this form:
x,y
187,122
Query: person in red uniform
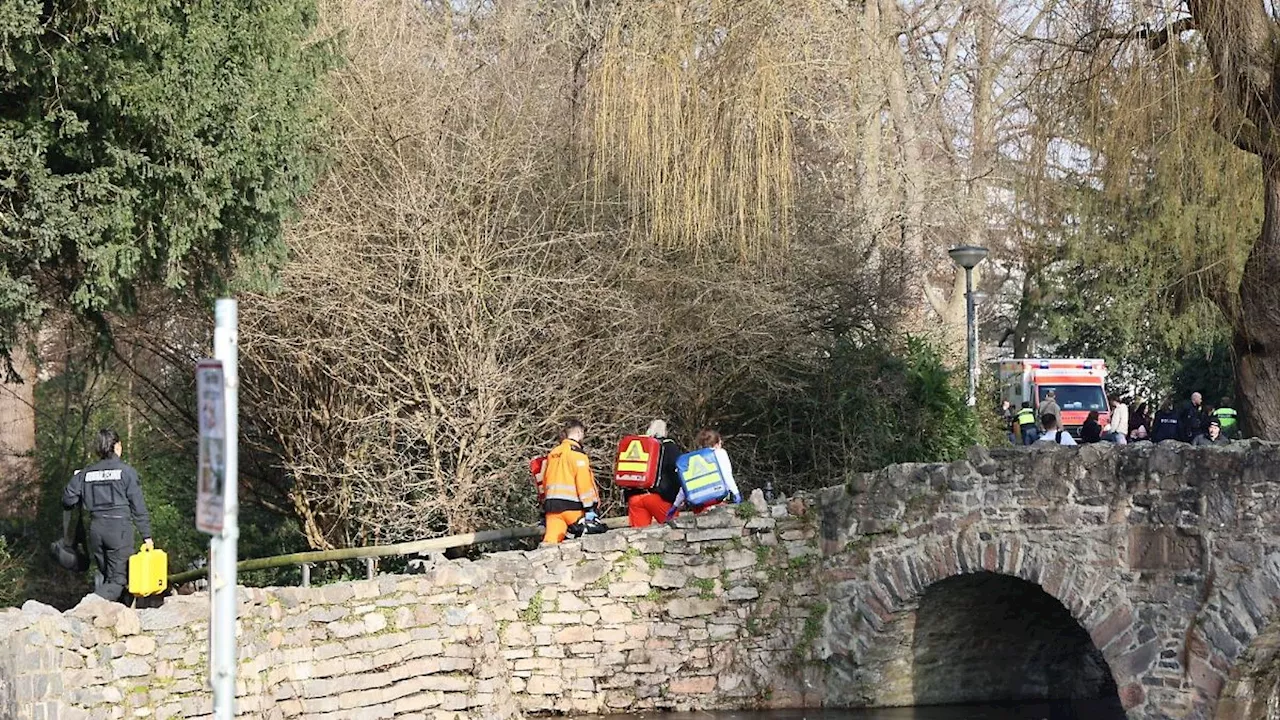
x,y
569,487
645,507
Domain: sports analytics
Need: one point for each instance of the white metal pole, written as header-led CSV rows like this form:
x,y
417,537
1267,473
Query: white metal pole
x,y
971,336
223,595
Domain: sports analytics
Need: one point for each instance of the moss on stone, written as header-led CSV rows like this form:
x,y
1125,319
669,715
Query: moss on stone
x,y
532,613
813,623
706,587
762,553
801,562
860,549
923,506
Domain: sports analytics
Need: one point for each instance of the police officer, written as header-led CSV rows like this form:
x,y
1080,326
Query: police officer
x,y
1027,427
1166,423
112,495
1228,418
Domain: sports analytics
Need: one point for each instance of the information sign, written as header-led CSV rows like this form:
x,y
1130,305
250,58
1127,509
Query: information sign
x,y
212,466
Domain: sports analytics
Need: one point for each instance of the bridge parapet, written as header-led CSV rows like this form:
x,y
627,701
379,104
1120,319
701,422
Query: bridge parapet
x,y
707,613
912,584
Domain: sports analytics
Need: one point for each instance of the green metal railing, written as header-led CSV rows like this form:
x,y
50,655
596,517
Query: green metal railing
x,y
372,552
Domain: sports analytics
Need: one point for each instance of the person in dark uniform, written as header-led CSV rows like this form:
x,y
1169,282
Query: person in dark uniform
x,y
1194,420
112,496
1166,425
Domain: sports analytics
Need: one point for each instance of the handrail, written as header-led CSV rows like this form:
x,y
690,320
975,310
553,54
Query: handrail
x,y
376,551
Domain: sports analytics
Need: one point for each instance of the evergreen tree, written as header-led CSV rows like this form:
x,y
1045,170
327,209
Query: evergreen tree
x,y
147,143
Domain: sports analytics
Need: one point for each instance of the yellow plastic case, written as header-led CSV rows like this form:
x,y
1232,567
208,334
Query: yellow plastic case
x,y
148,572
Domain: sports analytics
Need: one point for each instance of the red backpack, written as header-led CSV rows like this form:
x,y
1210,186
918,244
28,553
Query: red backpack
x,y
636,465
536,466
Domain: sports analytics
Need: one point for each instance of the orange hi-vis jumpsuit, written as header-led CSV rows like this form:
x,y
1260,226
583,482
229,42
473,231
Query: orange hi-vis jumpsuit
x,y
570,489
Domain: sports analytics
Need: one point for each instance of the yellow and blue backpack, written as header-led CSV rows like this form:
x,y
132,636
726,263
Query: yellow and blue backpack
x,y
701,477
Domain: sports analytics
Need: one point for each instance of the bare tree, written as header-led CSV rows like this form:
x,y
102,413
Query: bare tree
x,y
457,289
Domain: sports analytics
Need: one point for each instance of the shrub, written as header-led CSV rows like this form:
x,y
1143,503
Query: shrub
x,y
862,406
12,575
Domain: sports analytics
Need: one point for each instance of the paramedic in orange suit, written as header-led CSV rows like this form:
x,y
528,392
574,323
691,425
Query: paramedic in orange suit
x,y
569,486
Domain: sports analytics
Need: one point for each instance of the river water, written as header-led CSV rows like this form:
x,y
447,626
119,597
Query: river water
x,y
1021,711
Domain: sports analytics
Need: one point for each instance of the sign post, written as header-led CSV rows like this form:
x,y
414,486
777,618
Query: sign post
x,y
217,504
212,467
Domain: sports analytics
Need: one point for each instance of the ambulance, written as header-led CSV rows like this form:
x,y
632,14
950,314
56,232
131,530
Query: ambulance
x,y
1080,384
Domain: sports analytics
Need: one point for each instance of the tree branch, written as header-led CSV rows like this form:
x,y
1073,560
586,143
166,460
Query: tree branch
x,y
1155,38
1243,135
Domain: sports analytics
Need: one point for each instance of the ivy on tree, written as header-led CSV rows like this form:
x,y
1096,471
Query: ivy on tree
x,y
146,143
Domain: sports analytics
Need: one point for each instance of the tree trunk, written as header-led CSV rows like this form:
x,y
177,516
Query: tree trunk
x,y
983,130
1257,325
1028,306
911,223
871,101
19,483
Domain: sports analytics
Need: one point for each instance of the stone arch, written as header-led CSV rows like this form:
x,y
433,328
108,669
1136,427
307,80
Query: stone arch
x,y
871,615
989,637
1233,646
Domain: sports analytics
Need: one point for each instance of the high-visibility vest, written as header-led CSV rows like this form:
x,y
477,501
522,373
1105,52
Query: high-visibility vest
x,y
1026,416
701,478
567,476
1227,417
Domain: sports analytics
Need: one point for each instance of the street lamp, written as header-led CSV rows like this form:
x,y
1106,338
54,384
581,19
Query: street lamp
x,y
968,257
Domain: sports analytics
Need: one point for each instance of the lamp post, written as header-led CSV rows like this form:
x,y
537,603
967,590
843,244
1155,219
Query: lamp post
x,y
968,257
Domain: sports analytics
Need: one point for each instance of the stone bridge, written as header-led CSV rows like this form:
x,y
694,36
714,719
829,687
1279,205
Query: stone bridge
x,y
1142,577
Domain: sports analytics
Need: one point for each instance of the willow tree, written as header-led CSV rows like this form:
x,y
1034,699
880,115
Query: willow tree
x,y
711,119
1139,222
692,106
455,289
1240,41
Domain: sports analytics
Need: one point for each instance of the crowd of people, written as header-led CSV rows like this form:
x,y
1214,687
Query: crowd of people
x,y
569,497
1129,420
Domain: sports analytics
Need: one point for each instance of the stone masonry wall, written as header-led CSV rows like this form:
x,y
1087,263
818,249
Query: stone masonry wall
x,y
1167,555
1168,558
715,611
